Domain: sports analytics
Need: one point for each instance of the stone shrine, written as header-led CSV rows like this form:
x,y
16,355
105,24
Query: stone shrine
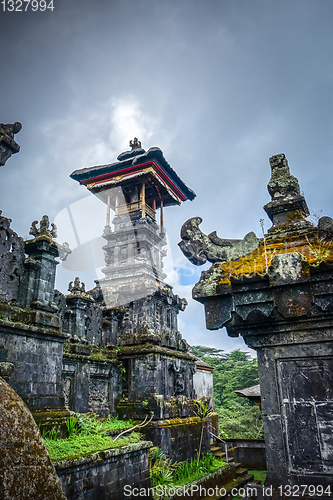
x,y
277,292
157,366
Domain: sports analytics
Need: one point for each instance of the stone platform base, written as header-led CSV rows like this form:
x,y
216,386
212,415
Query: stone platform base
x,y
179,438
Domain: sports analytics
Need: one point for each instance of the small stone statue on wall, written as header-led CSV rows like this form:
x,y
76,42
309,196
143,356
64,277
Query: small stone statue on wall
x,y
8,146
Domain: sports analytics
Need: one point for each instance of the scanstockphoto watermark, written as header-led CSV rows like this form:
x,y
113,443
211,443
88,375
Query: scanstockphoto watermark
x,y
163,491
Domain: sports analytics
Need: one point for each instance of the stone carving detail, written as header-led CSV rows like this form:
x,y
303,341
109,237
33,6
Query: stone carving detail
x,y
93,324
199,248
77,288
60,302
151,363
135,144
11,261
281,183
67,391
287,207
8,146
43,229
179,377
98,394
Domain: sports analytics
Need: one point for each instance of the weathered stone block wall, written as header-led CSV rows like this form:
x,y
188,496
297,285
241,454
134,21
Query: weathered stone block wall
x,y
153,319
36,353
249,452
91,382
298,379
159,374
179,438
105,474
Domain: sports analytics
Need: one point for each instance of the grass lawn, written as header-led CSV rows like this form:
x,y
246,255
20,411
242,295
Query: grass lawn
x,y
259,474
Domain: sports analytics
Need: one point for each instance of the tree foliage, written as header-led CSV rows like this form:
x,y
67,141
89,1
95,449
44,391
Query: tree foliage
x,y
238,417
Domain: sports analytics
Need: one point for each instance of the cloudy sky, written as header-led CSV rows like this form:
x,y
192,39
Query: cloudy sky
x,y
218,85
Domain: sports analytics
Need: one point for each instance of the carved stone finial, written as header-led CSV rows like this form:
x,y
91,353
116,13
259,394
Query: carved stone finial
x,y
282,183
8,146
43,228
77,288
135,144
288,207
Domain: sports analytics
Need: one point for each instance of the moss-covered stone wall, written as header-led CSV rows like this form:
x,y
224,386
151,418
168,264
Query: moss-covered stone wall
x,y
104,475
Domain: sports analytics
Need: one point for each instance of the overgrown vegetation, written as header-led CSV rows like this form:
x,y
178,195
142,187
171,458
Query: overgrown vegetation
x,y
82,445
89,423
163,471
238,417
202,411
87,434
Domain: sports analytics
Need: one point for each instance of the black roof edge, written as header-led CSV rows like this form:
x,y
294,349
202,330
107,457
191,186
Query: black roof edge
x,y
154,153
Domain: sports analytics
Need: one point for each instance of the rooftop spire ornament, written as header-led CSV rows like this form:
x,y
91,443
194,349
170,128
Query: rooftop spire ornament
x,y
135,144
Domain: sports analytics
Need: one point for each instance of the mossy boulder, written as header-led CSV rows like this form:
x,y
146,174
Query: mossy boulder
x,y
26,471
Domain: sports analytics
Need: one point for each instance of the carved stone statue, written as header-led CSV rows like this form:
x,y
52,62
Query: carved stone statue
x,y
199,248
43,228
78,287
8,146
135,144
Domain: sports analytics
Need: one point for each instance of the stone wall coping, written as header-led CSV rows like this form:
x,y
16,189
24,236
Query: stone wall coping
x,y
100,456
90,359
303,331
32,330
133,351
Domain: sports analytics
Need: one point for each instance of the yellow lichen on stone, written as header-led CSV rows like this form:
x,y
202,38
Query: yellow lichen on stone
x,y
256,263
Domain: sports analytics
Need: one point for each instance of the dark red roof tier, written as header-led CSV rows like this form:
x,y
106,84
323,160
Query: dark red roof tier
x,y
138,163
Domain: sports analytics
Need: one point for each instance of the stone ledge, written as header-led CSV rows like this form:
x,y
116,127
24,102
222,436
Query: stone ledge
x,y
101,455
132,351
32,330
90,359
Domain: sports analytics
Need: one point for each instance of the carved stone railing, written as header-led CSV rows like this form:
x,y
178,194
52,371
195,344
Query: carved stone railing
x,y
134,207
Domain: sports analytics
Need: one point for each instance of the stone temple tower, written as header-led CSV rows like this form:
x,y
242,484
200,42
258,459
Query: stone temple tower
x,y
157,366
135,187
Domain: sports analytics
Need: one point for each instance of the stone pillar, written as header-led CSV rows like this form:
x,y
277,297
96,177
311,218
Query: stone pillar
x,y
42,268
76,312
279,297
41,265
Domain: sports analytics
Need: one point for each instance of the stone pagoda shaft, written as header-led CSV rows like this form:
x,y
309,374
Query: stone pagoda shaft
x,y
279,296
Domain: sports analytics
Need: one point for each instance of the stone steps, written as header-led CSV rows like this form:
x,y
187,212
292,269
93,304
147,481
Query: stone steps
x,y
218,451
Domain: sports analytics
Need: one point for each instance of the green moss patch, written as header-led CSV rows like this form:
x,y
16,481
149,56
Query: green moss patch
x,y
83,445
